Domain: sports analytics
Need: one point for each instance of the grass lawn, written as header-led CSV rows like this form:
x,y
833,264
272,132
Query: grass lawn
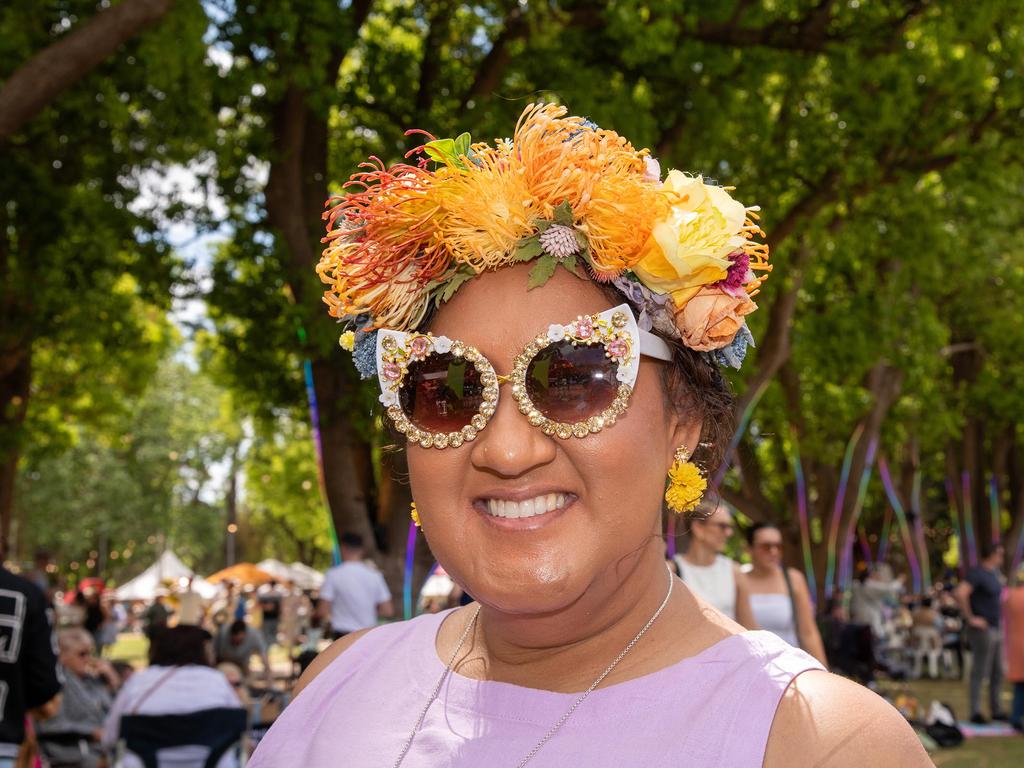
x,y
986,752
129,647
134,648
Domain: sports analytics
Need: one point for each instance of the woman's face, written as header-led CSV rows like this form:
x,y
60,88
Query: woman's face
x,y
766,550
610,483
714,532
77,658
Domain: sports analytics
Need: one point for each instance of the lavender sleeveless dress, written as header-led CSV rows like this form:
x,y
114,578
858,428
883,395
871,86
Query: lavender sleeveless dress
x,y
713,709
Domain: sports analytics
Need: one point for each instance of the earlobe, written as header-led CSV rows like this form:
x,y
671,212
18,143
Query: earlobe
x,y
682,434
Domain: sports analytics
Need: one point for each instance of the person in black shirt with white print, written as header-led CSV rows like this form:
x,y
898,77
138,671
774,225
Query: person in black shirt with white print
x,y
28,662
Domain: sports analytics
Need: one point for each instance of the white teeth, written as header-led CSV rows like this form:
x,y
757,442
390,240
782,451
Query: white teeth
x,y
527,508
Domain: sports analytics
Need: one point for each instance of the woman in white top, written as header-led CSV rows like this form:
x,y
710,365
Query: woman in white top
x,y
779,596
178,681
708,573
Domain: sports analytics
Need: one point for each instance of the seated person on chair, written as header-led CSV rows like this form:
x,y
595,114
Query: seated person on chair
x,y
179,680
72,736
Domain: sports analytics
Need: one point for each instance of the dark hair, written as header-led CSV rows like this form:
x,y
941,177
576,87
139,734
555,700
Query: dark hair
x,y
988,548
178,646
351,540
694,388
752,530
238,626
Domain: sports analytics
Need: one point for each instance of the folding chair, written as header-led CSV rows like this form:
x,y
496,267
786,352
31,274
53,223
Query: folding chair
x,y
217,729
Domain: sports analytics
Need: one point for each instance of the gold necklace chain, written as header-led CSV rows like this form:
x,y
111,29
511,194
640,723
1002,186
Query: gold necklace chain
x,y
569,712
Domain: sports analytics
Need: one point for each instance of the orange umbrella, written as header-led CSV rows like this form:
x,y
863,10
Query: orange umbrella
x,y
243,573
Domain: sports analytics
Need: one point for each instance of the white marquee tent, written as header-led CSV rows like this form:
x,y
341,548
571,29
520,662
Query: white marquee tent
x,y
167,569
302,576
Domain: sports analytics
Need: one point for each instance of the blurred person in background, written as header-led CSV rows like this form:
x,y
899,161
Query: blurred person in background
x,y
96,614
190,605
180,679
354,594
869,593
73,736
270,597
28,663
40,574
155,617
978,595
238,643
926,635
779,597
711,575
1013,614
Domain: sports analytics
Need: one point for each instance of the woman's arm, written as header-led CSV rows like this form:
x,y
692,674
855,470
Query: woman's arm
x,y
810,637
744,613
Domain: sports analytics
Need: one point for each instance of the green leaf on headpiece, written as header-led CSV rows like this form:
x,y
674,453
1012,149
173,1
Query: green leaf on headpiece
x,y
542,225
448,287
449,151
542,272
571,264
528,248
563,214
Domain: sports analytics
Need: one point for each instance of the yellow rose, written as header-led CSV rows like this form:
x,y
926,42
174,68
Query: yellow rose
x,y
689,248
711,318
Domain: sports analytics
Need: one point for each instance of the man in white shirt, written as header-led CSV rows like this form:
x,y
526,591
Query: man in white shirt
x,y
354,594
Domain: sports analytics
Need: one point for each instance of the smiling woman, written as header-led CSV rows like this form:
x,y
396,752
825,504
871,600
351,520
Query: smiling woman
x,y
544,411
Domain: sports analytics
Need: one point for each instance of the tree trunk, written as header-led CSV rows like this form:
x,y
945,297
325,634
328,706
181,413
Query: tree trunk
x,y
15,381
40,80
295,194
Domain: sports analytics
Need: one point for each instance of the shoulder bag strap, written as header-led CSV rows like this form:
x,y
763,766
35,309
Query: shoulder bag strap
x,y
792,602
142,699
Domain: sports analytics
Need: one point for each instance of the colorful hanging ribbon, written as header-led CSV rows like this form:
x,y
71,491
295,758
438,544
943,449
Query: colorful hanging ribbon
x,y
837,510
897,506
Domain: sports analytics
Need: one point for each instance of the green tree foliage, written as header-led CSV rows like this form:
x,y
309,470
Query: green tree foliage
x,y
71,222
882,140
285,515
135,483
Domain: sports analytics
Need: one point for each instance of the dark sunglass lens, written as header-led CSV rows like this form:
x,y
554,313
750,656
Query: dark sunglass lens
x,y
441,393
571,383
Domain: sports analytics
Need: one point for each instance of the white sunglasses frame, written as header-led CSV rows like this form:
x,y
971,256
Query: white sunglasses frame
x,y
616,329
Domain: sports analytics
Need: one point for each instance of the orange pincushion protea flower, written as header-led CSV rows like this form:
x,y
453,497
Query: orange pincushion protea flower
x,y
485,209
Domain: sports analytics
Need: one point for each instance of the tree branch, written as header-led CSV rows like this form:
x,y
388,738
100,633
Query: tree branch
x,y
60,65
439,24
492,66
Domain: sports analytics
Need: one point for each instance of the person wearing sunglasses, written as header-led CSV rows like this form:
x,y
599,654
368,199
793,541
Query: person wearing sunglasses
x,y
73,736
545,318
707,572
779,595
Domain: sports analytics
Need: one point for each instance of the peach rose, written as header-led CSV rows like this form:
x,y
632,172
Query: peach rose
x,y
711,319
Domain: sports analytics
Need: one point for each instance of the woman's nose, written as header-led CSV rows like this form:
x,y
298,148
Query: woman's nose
x,y
509,446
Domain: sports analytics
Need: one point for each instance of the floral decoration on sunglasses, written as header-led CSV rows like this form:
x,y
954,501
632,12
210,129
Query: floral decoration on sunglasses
x,y
571,381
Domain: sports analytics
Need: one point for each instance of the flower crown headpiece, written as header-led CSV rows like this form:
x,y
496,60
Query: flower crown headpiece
x,y
561,192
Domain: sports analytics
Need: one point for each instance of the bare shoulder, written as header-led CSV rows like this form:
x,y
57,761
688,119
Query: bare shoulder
x,y
798,580
827,720
329,654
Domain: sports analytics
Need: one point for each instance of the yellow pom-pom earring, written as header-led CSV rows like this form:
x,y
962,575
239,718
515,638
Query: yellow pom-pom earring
x,y
686,483
414,514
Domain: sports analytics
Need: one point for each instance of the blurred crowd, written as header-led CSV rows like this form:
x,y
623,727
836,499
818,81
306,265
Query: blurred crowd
x,y
221,667
218,669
